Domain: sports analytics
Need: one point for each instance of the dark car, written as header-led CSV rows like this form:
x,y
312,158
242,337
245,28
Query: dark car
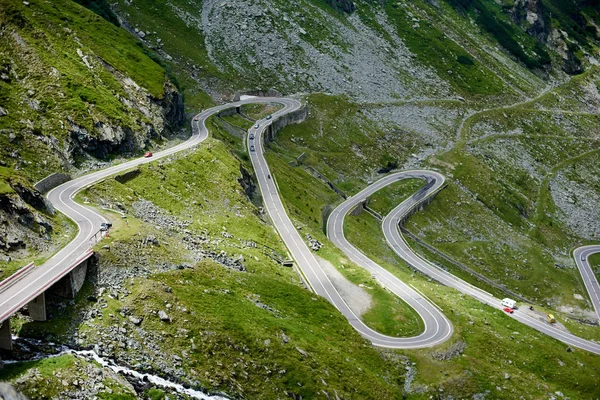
x,y
269,116
105,226
252,148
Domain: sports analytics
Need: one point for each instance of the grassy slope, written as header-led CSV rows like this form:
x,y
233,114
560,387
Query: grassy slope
x,y
305,199
495,345
59,85
505,163
47,381
235,341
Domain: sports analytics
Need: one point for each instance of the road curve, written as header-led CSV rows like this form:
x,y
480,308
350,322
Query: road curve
x,y
396,241
88,221
581,255
437,327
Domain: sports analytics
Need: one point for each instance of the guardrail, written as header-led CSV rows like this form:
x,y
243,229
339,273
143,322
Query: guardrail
x,y
17,276
6,314
463,267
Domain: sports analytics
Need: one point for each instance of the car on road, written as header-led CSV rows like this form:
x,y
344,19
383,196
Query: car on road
x,y
256,126
550,318
105,226
269,116
508,310
195,118
252,148
509,303
148,154
252,136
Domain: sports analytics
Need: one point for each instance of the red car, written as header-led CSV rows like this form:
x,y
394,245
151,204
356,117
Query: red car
x,y
508,310
148,154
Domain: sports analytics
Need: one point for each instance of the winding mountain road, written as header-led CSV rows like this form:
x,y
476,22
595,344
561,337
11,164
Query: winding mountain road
x,y
437,327
582,255
396,241
36,280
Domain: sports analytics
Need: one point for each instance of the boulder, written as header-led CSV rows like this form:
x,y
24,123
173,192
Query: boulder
x,y
164,316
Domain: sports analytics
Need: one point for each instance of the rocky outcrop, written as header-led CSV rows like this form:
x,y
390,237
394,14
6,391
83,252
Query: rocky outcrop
x,y
22,220
531,16
165,116
33,198
346,6
248,184
561,44
172,109
8,392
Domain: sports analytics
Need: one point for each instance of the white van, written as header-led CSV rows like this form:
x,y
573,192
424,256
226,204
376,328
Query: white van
x,y
509,303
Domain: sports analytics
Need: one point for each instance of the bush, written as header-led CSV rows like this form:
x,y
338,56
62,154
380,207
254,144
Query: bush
x,y
465,60
102,8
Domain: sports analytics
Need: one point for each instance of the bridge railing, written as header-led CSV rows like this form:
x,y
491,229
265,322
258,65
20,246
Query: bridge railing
x,y
17,276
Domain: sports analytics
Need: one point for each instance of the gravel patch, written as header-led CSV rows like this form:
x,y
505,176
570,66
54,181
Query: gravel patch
x,y
357,298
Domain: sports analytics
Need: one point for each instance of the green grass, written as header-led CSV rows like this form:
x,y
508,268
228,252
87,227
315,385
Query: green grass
x,y
495,345
61,89
260,111
437,50
52,374
223,321
385,200
390,315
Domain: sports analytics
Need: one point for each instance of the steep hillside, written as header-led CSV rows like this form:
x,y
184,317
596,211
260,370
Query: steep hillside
x,y
373,51
74,90
502,97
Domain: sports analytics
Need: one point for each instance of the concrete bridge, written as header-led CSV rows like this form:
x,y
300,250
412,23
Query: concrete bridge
x,y
29,285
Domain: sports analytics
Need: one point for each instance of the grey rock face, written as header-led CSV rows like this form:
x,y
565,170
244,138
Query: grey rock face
x,y
164,316
258,39
7,392
346,6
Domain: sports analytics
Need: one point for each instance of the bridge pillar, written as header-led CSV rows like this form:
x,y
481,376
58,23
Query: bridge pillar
x,y
37,308
360,207
5,336
71,283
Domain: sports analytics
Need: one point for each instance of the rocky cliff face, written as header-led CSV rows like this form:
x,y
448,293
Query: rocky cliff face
x,y
67,96
23,221
70,92
158,118
531,15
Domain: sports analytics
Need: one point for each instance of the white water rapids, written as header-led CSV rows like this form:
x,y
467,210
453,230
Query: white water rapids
x,y
90,354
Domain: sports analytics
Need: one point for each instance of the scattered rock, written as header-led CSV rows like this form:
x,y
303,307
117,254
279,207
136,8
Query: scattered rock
x,y
163,316
303,352
8,392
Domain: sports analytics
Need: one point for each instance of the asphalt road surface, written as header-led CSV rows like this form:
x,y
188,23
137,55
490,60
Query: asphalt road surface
x,y
581,255
88,221
437,327
397,242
